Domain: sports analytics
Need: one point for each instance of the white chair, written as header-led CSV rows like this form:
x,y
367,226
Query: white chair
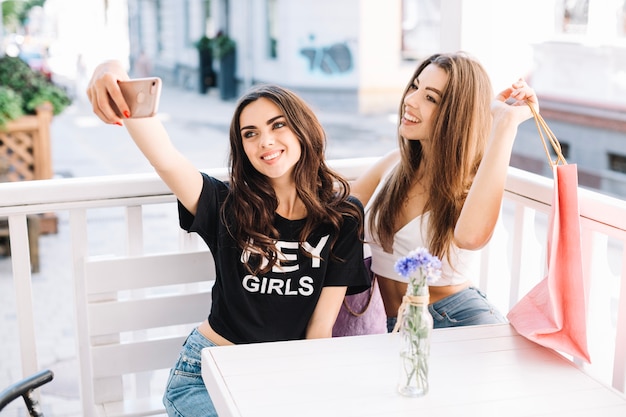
x,y
133,315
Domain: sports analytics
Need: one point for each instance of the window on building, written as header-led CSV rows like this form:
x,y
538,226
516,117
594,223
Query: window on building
x,y
159,26
421,27
575,16
621,20
272,29
209,25
197,21
600,20
565,150
617,163
188,26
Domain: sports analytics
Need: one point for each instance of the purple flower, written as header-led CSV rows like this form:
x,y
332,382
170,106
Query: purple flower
x,y
419,261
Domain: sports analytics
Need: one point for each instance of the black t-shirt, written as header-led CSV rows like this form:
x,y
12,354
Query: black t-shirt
x,y
278,305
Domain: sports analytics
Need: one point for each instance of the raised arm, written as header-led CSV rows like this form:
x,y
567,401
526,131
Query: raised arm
x,y
482,206
149,134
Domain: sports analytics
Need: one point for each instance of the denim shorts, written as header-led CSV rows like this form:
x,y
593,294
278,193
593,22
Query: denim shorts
x,y
469,307
185,393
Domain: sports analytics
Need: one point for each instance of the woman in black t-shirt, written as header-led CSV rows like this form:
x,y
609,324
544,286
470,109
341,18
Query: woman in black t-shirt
x,y
284,233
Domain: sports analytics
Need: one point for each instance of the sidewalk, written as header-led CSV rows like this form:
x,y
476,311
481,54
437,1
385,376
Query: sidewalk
x,y
83,146
198,124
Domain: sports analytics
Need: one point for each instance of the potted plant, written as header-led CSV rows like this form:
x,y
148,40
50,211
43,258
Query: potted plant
x,y
204,45
28,101
10,105
31,87
223,45
224,49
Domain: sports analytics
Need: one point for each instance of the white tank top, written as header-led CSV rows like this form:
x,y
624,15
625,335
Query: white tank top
x,y
411,236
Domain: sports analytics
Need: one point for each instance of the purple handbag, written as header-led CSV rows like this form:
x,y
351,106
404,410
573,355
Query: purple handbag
x,y
362,313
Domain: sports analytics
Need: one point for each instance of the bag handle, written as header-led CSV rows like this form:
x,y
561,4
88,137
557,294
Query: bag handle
x,y
542,127
369,301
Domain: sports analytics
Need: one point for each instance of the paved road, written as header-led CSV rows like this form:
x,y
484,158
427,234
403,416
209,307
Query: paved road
x,y
198,124
82,146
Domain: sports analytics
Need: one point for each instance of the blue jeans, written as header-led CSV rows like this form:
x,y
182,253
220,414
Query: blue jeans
x,y
185,393
469,307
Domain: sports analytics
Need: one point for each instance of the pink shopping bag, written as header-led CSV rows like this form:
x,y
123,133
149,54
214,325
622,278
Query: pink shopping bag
x,y
554,312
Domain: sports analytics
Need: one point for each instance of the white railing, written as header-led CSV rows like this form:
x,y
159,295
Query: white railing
x,y
135,214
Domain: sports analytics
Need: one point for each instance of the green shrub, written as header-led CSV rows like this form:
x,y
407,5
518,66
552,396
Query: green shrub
x,y
222,46
10,105
204,43
31,86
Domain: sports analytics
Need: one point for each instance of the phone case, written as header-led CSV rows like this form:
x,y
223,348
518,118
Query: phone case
x,y
142,96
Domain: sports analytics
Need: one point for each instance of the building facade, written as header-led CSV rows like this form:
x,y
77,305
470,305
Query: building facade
x,y
362,52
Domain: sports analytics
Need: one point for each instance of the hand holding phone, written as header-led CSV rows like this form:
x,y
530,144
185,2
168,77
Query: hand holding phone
x,y
141,95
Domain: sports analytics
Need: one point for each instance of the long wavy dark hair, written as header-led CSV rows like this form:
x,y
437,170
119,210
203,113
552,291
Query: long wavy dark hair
x,y
459,136
251,204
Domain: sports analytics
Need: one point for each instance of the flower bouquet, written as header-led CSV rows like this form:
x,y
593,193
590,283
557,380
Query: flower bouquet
x,y
415,323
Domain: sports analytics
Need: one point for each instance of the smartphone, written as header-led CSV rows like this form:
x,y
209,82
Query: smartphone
x,y
142,96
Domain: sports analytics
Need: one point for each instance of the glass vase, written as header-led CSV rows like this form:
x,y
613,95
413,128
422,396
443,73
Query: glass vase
x,y
415,329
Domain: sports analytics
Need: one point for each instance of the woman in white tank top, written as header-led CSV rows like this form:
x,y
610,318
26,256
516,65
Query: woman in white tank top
x,y
442,189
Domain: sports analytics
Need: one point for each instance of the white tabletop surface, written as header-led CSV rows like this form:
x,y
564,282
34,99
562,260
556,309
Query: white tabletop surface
x,y
474,371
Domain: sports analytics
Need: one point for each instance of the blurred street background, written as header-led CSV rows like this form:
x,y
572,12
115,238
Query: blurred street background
x,y
356,59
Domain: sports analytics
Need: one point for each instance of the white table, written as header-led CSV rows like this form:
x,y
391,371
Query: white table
x,y
474,371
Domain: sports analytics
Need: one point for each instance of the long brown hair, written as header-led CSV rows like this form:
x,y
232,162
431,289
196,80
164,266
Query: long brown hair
x,y
251,204
459,136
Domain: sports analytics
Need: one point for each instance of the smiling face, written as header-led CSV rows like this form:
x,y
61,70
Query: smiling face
x,y
269,143
421,103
